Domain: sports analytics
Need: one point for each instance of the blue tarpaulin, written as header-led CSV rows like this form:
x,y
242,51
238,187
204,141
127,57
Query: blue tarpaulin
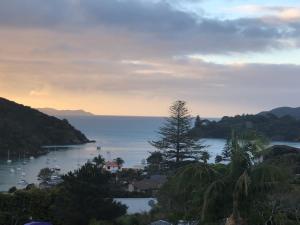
x,y
38,223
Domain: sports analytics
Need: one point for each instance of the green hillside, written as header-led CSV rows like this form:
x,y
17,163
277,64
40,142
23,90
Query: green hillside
x,y
25,130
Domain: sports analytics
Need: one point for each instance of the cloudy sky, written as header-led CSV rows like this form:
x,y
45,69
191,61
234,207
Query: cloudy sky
x,y
134,57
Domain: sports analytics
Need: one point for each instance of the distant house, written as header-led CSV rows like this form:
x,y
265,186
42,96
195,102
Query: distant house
x,y
150,184
112,167
160,222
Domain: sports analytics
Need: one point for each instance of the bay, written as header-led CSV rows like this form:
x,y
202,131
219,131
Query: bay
x,y
118,136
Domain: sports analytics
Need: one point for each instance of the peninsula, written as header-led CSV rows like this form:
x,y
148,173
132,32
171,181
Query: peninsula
x,y
24,130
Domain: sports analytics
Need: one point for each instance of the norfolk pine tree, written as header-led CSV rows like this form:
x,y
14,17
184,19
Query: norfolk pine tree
x,y
175,140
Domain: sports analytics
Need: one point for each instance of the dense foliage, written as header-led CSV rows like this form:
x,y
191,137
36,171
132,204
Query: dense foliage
x,y
25,130
84,195
245,190
274,128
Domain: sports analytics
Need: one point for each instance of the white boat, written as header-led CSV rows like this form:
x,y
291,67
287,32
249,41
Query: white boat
x,y
18,168
54,177
24,161
57,167
54,180
8,160
12,170
31,158
23,174
22,182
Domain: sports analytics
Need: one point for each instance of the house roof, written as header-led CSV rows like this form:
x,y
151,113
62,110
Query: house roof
x,y
278,150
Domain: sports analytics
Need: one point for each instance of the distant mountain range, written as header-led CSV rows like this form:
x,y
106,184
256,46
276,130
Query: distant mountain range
x,y
62,113
284,111
24,130
279,112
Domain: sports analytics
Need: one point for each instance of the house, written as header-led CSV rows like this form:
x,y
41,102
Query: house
x,y
160,222
153,183
112,167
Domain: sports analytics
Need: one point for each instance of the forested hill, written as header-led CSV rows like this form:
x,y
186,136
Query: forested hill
x,y
275,128
25,130
284,111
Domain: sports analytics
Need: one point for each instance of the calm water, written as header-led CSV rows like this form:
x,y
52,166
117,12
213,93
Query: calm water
x,y
125,137
136,205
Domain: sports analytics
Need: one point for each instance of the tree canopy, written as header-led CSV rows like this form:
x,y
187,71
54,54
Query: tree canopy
x,y
84,194
244,190
175,140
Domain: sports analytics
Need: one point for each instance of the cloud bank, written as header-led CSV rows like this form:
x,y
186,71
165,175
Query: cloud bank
x,y
138,52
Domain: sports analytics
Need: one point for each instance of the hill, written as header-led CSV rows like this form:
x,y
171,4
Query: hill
x,y
284,111
275,128
62,113
26,130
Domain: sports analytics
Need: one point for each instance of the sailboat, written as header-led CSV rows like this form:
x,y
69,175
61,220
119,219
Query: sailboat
x,y
8,160
24,161
19,168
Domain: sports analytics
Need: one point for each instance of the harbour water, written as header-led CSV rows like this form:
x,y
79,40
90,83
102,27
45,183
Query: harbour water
x,y
125,137
137,205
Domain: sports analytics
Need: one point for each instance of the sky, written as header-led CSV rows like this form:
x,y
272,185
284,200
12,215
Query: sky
x,y
136,57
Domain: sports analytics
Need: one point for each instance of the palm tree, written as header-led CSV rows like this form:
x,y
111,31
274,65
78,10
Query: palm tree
x,y
183,192
246,179
119,161
99,160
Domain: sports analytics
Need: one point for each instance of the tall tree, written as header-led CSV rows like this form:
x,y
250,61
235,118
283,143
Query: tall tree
x,y
175,139
197,123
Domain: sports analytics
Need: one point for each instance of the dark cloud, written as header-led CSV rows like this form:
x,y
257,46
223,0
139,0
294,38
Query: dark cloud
x,y
137,15
158,23
33,13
